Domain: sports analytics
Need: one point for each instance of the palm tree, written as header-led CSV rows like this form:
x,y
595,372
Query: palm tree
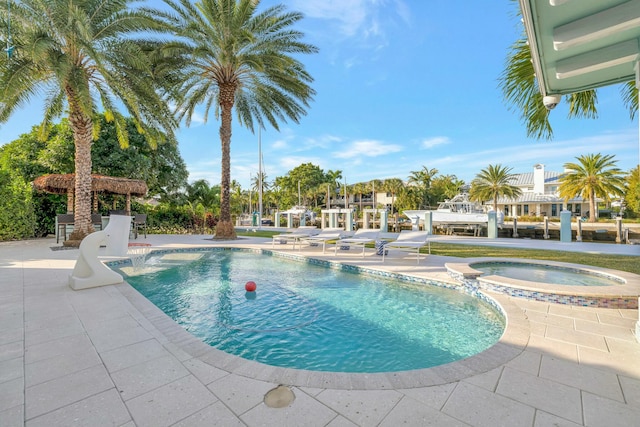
x,y
493,182
593,176
376,185
445,187
393,186
207,198
360,188
255,182
521,91
276,193
314,193
84,56
332,179
237,197
260,178
344,191
422,179
228,54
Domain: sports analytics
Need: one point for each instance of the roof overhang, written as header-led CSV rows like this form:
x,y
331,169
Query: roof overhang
x,y
577,45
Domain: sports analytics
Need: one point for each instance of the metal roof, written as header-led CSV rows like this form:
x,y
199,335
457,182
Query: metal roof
x,y
578,45
537,198
526,179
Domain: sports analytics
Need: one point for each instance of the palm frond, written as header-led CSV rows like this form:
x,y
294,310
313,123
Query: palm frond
x,y
521,92
629,93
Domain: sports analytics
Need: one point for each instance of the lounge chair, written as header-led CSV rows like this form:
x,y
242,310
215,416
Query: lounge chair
x,y
295,235
409,241
139,222
64,220
323,237
360,238
96,221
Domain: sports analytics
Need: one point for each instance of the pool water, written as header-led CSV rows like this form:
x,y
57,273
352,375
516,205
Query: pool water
x,y
312,317
545,274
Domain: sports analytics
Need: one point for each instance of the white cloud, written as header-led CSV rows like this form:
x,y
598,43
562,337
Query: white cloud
x,y
291,162
435,141
207,171
354,17
522,157
367,148
197,118
280,144
350,14
323,141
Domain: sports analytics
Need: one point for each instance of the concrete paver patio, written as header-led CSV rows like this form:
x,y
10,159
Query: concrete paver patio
x,y
106,356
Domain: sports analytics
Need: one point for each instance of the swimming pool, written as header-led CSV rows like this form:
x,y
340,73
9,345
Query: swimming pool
x,y
546,273
311,317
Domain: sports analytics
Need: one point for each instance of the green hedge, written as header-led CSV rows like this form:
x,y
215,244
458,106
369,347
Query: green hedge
x,y
17,219
165,219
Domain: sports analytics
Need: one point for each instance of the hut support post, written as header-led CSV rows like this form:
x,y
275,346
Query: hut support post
x,y
95,202
70,200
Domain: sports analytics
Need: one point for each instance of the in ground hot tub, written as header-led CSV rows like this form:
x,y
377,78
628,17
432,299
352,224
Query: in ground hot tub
x,y
550,281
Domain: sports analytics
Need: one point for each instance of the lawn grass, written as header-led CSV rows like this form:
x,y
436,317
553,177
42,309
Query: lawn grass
x,y
258,233
627,263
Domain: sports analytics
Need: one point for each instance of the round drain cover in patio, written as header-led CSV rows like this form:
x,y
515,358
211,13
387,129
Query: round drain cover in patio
x,y
279,397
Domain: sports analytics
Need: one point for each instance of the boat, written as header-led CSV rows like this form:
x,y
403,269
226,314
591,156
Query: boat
x,y
300,211
457,211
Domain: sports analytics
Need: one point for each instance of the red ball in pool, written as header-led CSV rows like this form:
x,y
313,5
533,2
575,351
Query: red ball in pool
x,y
250,286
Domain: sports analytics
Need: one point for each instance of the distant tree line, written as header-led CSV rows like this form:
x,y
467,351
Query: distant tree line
x,y
174,205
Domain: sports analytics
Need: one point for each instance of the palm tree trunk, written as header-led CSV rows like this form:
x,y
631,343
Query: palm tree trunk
x,y
82,127
224,228
592,206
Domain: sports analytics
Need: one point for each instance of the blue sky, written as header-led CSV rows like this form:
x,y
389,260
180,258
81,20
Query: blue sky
x,y
400,85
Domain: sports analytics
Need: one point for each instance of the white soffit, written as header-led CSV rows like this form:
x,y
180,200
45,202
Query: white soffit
x,y
578,45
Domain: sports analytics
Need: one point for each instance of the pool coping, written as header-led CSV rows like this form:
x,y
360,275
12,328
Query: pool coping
x,y
512,343
625,295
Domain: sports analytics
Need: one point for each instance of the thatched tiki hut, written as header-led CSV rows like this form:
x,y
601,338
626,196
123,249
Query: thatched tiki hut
x,y
65,184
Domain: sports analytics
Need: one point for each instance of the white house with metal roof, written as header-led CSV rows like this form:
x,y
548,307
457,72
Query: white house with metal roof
x,y
540,196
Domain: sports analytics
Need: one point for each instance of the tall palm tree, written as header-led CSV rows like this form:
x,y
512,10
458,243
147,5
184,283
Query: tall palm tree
x,y
593,176
521,91
492,183
229,54
84,56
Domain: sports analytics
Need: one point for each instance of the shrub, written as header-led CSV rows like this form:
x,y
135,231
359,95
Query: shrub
x,y
167,219
17,220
